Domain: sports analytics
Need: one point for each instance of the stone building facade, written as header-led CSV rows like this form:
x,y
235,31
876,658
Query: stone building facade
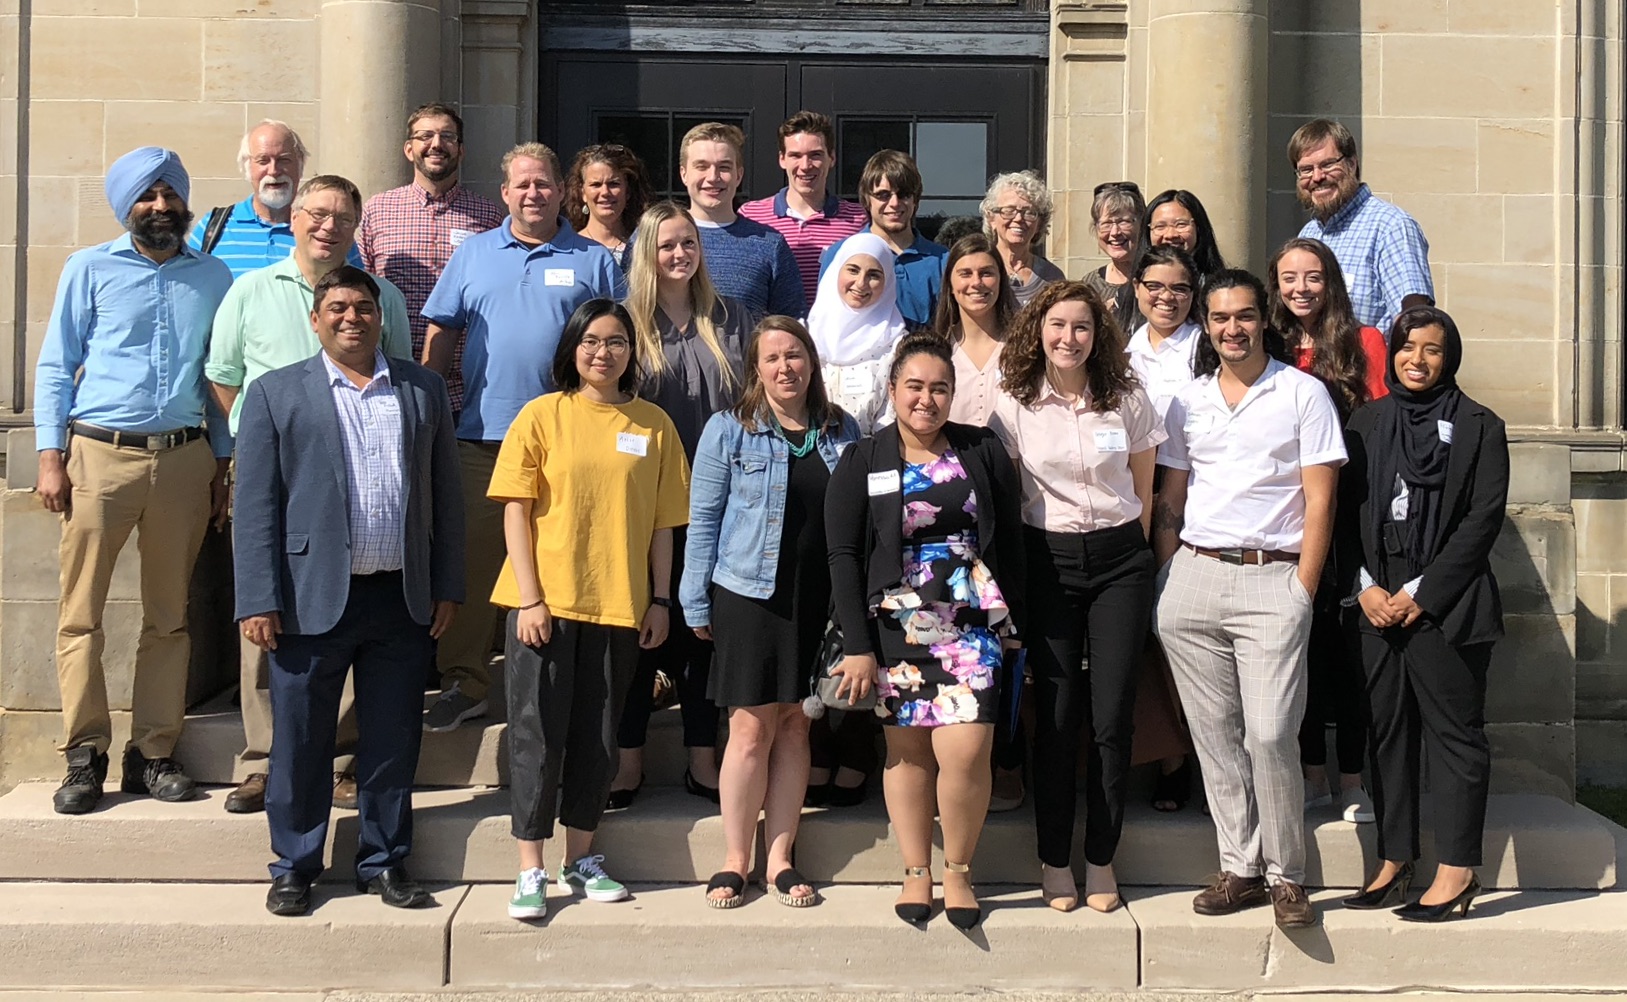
x,y
1497,123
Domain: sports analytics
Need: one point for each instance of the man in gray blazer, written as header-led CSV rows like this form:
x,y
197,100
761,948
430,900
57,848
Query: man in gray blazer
x,y
349,552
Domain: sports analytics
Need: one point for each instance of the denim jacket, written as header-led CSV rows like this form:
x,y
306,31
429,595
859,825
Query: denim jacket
x,y
737,508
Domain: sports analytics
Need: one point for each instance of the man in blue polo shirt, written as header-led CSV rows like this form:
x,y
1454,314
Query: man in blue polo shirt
x,y
891,186
506,294
255,232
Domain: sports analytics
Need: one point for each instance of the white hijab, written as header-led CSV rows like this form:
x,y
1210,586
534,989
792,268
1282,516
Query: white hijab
x,y
843,335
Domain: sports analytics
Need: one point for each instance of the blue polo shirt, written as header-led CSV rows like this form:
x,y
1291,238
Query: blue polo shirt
x,y
511,300
249,243
919,270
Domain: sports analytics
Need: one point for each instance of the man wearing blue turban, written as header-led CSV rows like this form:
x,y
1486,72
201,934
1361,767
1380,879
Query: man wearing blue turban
x,y
120,414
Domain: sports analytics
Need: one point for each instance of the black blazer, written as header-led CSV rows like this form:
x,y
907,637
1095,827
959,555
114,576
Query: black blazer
x,y
1458,593
866,534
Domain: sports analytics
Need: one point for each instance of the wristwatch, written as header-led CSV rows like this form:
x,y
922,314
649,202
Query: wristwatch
x,y
665,603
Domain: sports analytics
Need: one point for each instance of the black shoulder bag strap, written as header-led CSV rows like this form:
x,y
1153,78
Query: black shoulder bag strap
x,y
217,225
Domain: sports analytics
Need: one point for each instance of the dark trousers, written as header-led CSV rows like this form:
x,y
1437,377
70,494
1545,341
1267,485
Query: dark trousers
x,y
565,699
1334,690
687,660
844,740
1422,688
390,653
1090,598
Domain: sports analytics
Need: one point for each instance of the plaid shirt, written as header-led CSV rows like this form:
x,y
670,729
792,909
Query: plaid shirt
x,y
407,235
1382,252
370,426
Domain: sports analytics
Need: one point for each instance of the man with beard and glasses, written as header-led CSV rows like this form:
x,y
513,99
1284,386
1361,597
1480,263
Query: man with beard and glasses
x,y
255,232
409,233
265,324
1381,249
120,407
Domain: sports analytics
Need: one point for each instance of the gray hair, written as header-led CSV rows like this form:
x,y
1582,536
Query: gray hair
x,y
1030,186
243,147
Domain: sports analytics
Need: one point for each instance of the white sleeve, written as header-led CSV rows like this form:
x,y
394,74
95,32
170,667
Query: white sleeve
x,y
1172,453
1321,437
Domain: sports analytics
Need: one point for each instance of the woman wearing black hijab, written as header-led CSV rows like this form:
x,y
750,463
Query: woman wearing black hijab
x,y
1421,503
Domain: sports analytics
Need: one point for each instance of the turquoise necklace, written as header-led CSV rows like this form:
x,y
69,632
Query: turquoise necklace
x,y
810,438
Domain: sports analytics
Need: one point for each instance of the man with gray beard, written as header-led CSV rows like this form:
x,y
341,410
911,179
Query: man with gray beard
x,y
255,232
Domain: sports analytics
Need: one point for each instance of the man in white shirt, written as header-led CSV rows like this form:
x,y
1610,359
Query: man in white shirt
x,y
1241,527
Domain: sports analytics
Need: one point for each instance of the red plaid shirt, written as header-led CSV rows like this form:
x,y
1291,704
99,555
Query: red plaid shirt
x,y
407,235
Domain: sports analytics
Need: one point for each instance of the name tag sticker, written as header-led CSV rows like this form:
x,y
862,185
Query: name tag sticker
x,y
884,483
459,236
855,381
1112,440
1444,429
632,445
564,277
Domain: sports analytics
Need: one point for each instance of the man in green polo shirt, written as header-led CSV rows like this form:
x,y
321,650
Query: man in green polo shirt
x,y
264,323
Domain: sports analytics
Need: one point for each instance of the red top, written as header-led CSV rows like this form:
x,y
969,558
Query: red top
x,y
1378,357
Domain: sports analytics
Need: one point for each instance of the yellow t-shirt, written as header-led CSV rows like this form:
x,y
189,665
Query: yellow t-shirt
x,y
604,478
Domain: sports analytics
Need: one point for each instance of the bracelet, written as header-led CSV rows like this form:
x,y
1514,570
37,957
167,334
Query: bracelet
x,y
533,605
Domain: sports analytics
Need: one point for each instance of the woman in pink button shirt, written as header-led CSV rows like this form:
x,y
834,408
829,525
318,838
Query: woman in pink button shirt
x,y
1083,434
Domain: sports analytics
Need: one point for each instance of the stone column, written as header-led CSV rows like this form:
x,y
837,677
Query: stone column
x,y
380,60
1206,114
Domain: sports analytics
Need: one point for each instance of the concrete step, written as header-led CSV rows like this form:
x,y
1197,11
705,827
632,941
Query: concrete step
x,y
1532,842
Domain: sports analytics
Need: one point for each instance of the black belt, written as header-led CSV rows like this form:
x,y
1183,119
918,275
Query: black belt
x,y
152,442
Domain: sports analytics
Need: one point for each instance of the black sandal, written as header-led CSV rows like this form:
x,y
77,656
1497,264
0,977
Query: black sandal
x,y
726,880
1173,787
789,878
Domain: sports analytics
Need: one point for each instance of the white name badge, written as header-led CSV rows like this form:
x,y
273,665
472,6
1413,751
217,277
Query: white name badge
x,y
855,381
1444,429
564,277
1112,440
459,236
884,483
632,445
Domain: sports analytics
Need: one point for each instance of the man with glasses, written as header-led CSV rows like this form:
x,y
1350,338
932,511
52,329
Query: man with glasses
x,y
408,233
264,323
891,186
1381,249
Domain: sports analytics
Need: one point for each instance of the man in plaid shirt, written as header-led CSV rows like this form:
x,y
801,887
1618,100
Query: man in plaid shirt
x,y
408,233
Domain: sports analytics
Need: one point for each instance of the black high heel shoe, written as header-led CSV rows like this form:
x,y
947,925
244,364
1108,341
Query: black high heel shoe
x,y
1420,912
699,789
1173,788
964,919
916,912
1390,895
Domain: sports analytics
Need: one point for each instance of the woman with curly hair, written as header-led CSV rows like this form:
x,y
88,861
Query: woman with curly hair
x,y
1016,213
1084,435
606,191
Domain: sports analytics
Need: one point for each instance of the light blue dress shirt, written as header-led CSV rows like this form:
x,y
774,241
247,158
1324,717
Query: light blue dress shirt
x,y
140,332
370,426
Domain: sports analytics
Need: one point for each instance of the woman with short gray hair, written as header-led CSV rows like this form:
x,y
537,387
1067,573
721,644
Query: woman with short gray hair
x,y
1016,212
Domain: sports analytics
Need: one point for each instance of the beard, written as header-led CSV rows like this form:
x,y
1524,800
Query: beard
x,y
436,174
1344,191
161,231
275,198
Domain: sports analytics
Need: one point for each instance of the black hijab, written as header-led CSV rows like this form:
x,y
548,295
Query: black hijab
x,y
1407,443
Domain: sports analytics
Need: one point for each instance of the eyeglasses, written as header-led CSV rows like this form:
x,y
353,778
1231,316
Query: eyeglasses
x,y
1326,167
1010,212
321,217
884,195
1128,187
1182,226
449,138
1116,223
614,345
1179,290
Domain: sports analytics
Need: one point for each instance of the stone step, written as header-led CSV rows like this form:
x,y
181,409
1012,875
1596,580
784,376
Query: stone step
x,y
1532,842
219,938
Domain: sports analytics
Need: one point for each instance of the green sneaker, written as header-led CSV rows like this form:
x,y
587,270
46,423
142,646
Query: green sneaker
x,y
529,900
594,882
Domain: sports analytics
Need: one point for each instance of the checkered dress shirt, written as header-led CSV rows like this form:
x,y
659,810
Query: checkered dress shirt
x,y
1382,252
370,425
407,235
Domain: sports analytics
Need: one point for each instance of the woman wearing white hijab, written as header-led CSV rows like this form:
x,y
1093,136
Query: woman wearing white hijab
x,y
855,323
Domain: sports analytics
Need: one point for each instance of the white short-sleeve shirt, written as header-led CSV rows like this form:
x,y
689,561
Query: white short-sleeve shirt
x,y
1244,489
1164,370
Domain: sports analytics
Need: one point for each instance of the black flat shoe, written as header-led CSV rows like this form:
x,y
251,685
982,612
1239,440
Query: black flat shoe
x,y
396,888
1173,787
916,913
290,895
620,800
1420,912
847,796
700,789
817,796
1391,894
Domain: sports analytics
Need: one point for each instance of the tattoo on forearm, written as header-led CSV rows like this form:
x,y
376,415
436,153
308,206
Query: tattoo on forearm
x,y
1164,518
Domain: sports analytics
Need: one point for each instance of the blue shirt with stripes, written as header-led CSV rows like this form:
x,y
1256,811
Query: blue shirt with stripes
x,y
249,243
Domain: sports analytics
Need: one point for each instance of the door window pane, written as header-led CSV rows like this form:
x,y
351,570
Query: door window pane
x,y
859,140
649,137
953,157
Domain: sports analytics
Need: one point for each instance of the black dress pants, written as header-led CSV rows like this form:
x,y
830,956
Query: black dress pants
x,y
687,660
1424,690
1334,690
1090,598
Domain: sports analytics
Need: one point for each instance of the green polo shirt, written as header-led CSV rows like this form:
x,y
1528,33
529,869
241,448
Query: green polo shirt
x,y
264,323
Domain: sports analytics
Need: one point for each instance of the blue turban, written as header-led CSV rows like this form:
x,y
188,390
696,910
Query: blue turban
x,y
132,174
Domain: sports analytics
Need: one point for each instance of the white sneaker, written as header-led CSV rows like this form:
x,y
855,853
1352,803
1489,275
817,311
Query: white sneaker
x,y
1358,807
530,900
1317,796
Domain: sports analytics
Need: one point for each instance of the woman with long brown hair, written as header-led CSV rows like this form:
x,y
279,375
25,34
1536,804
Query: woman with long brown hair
x,y
974,317
606,191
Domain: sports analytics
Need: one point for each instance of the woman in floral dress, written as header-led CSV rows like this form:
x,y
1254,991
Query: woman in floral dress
x,y
925,534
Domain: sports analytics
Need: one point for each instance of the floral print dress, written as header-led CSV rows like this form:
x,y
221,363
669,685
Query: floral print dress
x,y
940,626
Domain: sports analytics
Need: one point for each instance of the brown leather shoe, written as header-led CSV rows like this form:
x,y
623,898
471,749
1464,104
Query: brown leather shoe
x,y
344,791
1230,893
249,797
1292,907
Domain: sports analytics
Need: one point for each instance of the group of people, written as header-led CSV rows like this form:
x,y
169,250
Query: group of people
x,y
784,449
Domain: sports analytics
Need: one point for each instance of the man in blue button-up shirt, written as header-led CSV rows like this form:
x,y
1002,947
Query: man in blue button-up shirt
x,y
120,411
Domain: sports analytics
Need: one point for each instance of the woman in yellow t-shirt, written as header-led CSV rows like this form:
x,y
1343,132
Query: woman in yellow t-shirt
x,y
592,481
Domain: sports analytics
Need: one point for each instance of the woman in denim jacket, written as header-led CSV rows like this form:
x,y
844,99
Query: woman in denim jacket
x,y
756,583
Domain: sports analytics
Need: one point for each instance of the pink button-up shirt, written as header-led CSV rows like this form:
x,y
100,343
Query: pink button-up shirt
x,y
1075,463
975,389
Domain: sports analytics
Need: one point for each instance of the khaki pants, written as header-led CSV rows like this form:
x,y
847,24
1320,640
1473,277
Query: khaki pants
x,y
254,693
464,649
164,495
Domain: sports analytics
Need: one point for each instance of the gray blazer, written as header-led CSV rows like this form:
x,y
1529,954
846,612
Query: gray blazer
x,y
290,532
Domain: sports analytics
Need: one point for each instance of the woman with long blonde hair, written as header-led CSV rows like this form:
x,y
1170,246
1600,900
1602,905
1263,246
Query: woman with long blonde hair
x,y
691,345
